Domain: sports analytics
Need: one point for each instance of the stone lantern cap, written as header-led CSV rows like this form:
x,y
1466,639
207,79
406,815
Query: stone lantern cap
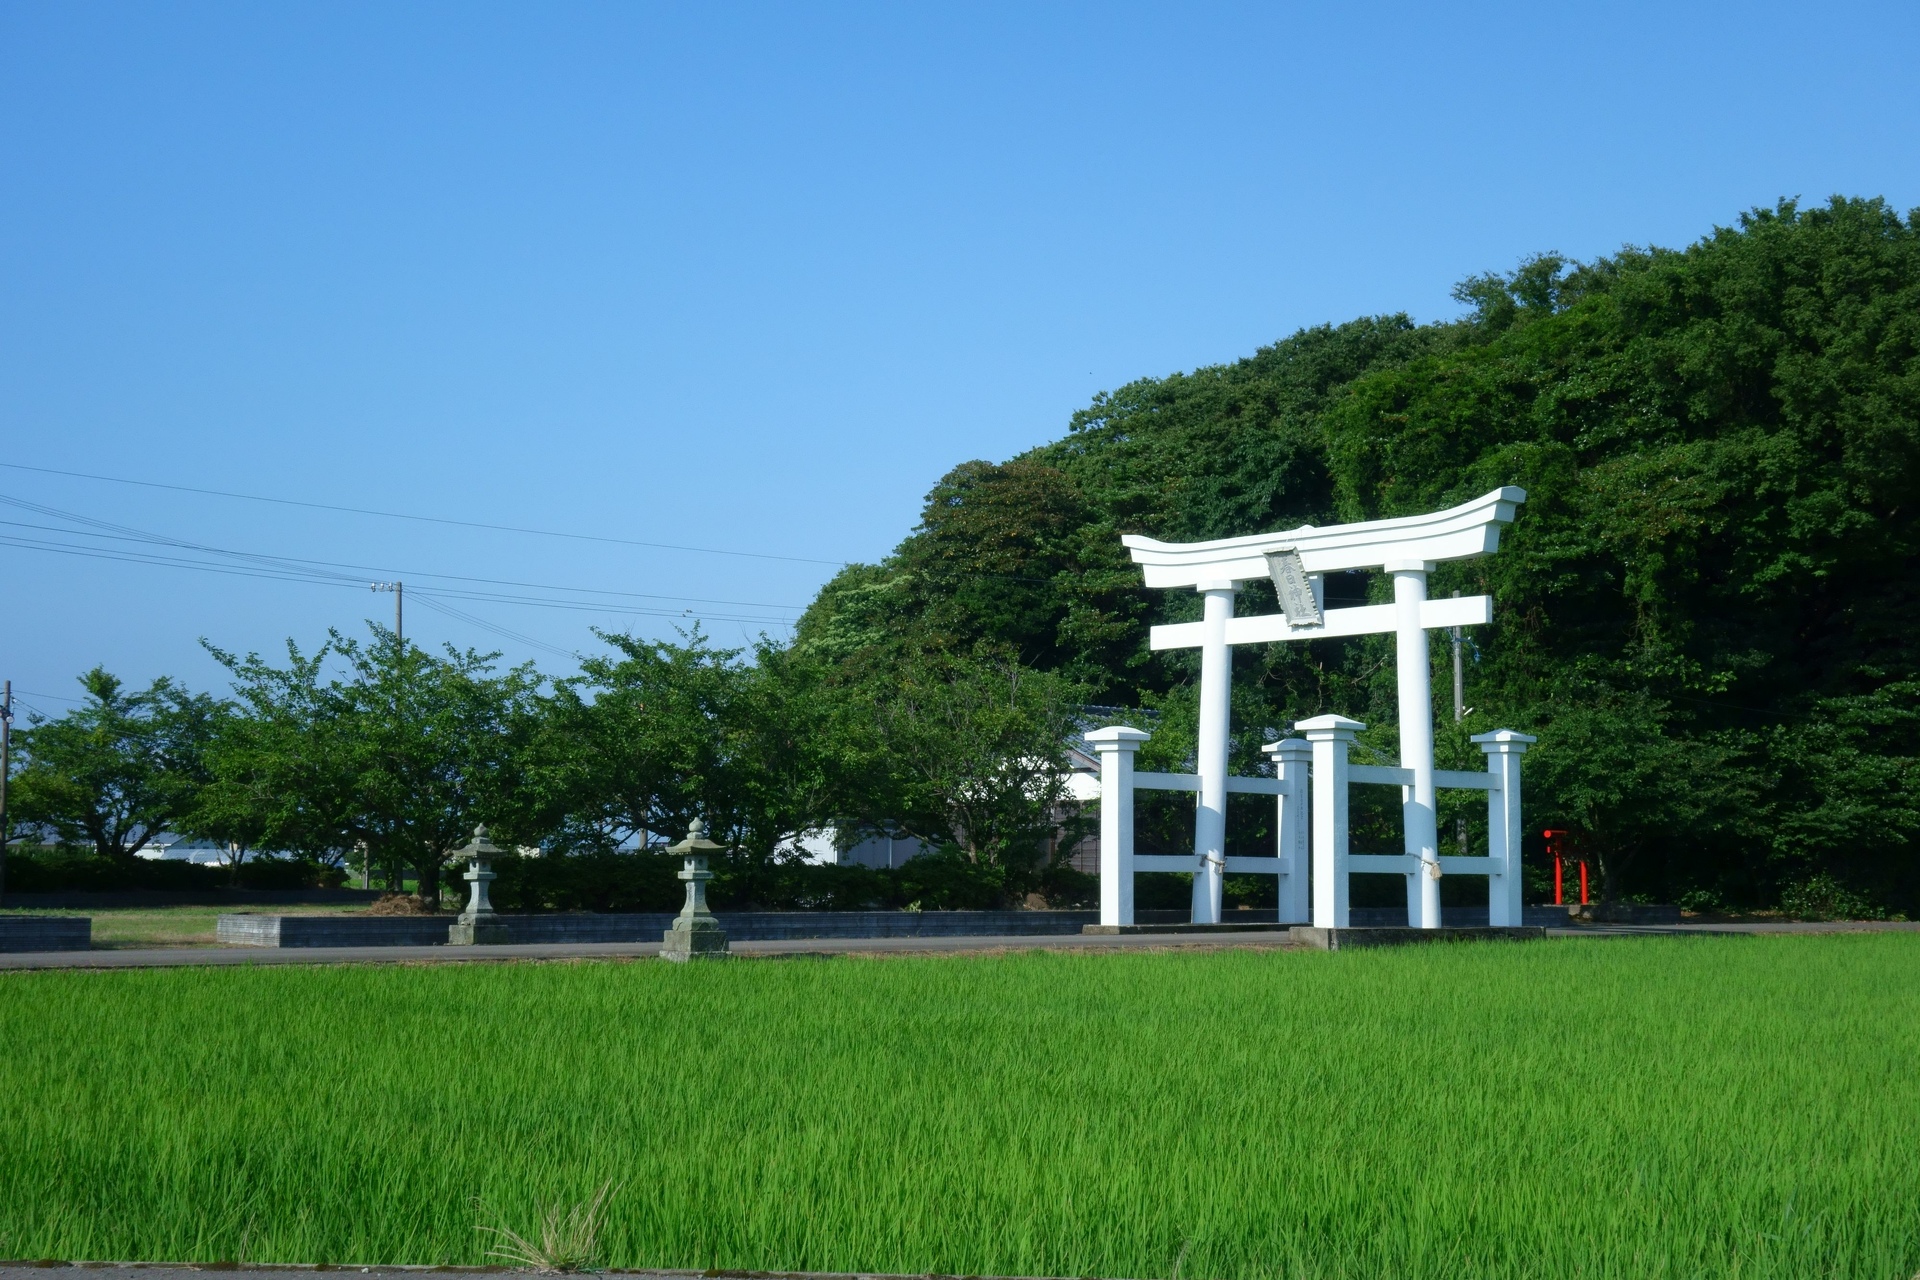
x,y
479,846
696,845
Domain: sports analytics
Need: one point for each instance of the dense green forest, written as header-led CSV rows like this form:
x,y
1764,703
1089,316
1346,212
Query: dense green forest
x,y
1708,609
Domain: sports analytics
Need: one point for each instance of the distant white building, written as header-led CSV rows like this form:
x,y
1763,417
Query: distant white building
x,y
822,848
881,849
171,847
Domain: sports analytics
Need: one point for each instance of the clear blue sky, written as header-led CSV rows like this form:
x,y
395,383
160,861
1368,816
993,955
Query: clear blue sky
x,y
753,278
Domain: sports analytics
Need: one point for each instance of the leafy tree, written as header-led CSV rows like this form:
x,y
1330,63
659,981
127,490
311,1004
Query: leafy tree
x,y
237,806
399,756
1719,446
629,749
975,746
117,770
637,745
800,750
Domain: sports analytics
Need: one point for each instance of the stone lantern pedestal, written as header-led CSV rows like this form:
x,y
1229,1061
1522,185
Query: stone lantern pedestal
x,y
478,925
695,934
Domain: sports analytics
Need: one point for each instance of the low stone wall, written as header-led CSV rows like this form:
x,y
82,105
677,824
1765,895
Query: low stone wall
x,y
89,900
753,926
331,931
45,933
1629,913
741,926
1452,917
1306,935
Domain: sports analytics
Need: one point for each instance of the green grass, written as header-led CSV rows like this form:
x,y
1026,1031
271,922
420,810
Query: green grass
x,y
1659,1107
117,928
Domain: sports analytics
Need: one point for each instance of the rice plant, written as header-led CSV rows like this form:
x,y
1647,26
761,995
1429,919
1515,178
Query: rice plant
x,y
1656,1107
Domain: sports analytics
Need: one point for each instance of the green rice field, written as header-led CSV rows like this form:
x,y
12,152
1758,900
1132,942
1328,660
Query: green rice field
x,y
1654,1107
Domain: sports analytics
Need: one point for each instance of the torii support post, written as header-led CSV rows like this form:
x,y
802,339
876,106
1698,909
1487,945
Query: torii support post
x,y
1116,746
1329,738
1216,700
1504,747
1291,760
1420,809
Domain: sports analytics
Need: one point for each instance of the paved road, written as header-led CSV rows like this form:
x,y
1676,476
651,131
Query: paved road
x,y
54,1270
173,956
169,957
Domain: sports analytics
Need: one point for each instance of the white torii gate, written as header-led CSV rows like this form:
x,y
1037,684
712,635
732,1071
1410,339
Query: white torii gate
x,y
1297,561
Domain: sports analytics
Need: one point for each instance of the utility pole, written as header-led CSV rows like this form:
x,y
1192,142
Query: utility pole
x,y
399,590
6,743
1459,677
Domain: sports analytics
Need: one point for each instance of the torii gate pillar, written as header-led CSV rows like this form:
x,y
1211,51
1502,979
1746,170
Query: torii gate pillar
x,y
1216,701
1419,811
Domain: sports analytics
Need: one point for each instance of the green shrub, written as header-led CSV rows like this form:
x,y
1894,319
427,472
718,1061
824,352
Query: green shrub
x,y
597,881
1824,898
65,869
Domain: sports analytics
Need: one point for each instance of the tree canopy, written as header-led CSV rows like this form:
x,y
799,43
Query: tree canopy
x,y
118,769
1708,608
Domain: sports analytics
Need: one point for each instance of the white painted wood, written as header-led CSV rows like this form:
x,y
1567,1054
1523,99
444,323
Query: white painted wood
x,y
1419,809
1384,775
1164,862
1210,815
1458,533
1238,865
1292,766
1445,779
1191,782
1460,780
1116,746
1330,738
1381,864
1362,620
1399,864
1504,747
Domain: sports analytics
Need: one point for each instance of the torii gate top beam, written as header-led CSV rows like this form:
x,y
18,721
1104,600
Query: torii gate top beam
x,y
1458,533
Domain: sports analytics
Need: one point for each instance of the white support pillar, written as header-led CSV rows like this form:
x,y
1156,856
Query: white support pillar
x,y
1329,738
1420,810
1216,700
1504,747
1291,758
1116,746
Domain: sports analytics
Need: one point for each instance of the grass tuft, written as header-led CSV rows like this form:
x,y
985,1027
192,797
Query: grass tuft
x,y
569,1237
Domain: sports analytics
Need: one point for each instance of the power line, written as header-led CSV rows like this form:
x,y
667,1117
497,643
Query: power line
x,y
293,569
367,568
402,515
176,562
57,697
463,616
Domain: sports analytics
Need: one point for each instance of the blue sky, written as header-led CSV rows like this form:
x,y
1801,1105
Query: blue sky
x,y
752,278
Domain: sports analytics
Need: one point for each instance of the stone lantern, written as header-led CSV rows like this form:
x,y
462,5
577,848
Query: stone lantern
x,y
695,934
478,924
